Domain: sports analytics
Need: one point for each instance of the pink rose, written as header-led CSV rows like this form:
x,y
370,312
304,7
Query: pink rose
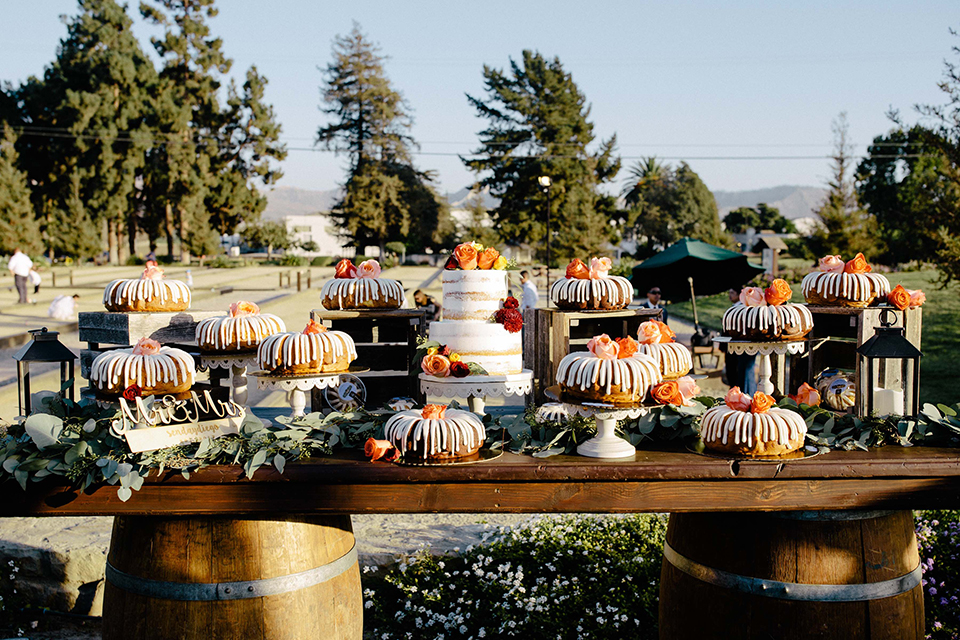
x,y
243,308
603,347
368,269
146,347
649,333
917,297
152,272
753,297
688,388
831,264
737,400
599,267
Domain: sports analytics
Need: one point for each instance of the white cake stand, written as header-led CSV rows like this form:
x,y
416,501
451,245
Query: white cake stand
x,y
237,363
296,386
606,444
764,350
476,388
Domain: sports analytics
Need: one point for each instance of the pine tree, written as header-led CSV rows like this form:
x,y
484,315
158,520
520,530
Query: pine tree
x,y
538,125
18,225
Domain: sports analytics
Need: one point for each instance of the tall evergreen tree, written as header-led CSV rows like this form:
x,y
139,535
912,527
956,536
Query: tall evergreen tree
x,y
538,125
18,225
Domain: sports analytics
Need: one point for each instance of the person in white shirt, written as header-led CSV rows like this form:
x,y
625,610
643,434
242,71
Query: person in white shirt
x,y
530,295
63,307
20,265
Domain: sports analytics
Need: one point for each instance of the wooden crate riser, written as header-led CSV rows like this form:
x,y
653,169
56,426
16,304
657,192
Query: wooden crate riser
x,y
107,327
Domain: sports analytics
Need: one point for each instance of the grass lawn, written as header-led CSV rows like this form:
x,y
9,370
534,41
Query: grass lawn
x,y
939,373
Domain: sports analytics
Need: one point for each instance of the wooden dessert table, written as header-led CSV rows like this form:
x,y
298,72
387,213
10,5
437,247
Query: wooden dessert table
x,y
229,533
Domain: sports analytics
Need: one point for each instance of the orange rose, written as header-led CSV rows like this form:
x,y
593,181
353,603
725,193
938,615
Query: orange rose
x,y
313,327
917,297
146,347
466,255
628,347
899,297
377,449
666,333
649,332
603,347
433,411
436,365
807,395
487,258
576,270
667,392
737,400
778,292
857,265
761,402
243,308
345,269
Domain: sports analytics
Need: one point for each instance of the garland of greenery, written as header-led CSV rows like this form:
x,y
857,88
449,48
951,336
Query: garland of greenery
x,y
74,440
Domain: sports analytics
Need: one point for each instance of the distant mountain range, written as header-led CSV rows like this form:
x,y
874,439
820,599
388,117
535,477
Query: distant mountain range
x,y
291,201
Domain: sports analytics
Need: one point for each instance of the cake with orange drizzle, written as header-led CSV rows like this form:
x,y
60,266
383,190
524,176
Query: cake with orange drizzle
x,y
609,371
314,350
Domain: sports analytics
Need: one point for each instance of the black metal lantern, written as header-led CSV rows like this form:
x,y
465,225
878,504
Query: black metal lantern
x,y
43,348
890,387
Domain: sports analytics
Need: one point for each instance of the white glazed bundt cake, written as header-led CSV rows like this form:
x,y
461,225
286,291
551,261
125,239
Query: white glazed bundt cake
x,y
156,370
314,350
746,426
591,287
762,315
435,433
844,284
658,341
150,292
242,330
607,373
361,287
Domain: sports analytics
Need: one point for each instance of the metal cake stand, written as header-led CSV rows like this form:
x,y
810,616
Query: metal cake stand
x,y
476,388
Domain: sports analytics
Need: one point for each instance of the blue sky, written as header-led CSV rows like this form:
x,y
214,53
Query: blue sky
x,y
703,81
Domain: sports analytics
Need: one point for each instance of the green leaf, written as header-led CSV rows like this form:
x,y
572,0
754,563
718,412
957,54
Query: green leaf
x,y
76,452
44,429
546,453
947,411
124,493
279,462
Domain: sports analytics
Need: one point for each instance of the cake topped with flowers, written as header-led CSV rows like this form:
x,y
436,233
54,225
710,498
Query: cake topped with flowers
x,y
313,350
844,284
150,292
767,315
151,368
657,340
591,287
361,287
610,371
435,432
752,426
242,329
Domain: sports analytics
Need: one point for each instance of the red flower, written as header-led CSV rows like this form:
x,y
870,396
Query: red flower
x,y
511,303
444,350
459,369
511,319
452,263
132,392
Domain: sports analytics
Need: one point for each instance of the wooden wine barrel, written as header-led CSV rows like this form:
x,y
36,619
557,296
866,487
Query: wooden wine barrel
x,y
276,578
829,574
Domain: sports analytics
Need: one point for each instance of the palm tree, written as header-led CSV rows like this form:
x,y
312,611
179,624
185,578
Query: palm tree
x,y
645,172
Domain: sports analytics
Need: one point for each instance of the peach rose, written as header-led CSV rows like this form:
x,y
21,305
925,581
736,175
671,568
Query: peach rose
x,y
146,347
433,411
666,333
576,270
243,308
500,264
857,265
831,264
313,327
466,255
436,365
487,258
899,297
778,292
737,400
368,269
667,392
628,347
345,269
153,272
807,395
599,268
761,402
917,298
753,297
377,449
688,388
649,332
603,347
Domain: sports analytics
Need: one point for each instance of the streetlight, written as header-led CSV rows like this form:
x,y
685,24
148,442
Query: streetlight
x,y
545,183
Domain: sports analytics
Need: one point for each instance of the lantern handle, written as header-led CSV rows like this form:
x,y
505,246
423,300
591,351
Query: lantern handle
x,y
885,315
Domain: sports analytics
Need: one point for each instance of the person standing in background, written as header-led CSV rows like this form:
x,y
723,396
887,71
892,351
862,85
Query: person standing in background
x,y
653,302
20,265
530,294
189,279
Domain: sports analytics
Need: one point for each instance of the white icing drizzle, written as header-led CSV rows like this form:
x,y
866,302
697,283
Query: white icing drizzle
x,y
362,289
582,369
673,358
226,331
857,287
552,412
290,349
456,430
723,424
769,318
616,289
122,367
130,291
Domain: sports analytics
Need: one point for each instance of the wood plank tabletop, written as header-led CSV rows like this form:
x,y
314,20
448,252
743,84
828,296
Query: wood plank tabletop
x,y
669,480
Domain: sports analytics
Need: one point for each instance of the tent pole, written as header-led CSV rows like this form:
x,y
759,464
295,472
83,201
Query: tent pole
x,y
693,301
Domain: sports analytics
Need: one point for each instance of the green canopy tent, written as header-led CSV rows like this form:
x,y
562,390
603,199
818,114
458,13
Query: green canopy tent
x,y
688,263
